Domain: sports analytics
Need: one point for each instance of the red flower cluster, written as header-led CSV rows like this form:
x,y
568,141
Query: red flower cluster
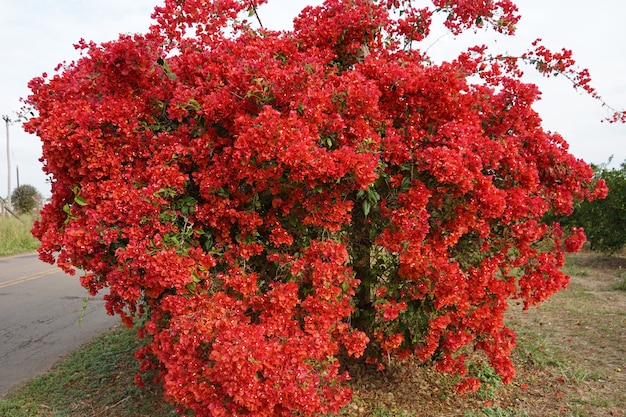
x,y
266,200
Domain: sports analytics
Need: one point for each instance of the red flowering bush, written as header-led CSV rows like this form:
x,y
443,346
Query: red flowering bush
x,y
260,201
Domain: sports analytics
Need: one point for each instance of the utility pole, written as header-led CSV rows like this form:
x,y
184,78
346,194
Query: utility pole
x,y
7,120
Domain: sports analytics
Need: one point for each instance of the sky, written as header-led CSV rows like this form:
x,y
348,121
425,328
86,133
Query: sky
x,y
38,34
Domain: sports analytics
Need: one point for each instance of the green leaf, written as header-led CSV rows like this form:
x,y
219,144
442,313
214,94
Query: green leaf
x,y
366,207
80,201
406,184
193,103
372,195
222,193
166,69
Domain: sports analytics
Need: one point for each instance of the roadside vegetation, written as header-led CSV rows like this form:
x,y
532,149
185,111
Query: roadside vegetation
x,y
97,380
603,219
15,236
570,362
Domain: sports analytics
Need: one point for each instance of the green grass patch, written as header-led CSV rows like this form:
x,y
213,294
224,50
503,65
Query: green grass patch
x,y
490,382
535,350
576,300
571,268
15,236
97,380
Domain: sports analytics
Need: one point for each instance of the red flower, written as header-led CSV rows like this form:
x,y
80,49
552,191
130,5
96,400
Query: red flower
x,y
262,200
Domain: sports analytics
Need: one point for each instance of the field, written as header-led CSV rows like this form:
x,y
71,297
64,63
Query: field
x,y
571,362
15,235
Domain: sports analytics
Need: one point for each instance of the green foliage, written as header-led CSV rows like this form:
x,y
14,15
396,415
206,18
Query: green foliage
x,y
26,199
490,380
604,220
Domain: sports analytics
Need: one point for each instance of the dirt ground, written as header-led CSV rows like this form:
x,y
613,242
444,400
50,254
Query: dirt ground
x,y
570,360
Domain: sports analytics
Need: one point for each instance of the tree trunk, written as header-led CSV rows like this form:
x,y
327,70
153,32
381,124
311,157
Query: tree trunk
x,y
360,251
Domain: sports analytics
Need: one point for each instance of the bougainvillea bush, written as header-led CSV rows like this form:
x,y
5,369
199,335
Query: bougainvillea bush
x,y
264,203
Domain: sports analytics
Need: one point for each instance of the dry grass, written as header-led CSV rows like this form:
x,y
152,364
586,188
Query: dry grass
x,y
15,235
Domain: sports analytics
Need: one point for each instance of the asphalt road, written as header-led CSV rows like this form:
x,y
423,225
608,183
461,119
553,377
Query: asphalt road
x,y
40,309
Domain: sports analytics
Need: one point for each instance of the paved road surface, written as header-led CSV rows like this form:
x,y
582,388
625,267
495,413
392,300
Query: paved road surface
x,y
40,308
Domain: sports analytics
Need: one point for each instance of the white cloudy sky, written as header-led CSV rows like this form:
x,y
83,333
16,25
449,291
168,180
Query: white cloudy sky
x,y
38,34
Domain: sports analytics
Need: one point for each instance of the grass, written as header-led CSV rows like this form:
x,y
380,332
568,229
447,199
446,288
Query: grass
x,y
97,380
496,411
573,269
15,236
621,285
534,349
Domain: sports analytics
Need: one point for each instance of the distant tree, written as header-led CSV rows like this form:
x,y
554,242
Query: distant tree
x,y
604,220
26,199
